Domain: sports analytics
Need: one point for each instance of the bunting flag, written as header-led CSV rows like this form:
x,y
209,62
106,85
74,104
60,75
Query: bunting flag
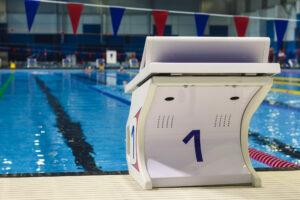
x,y
116,15
74,13
31,8
280,26
160,19
201,21
241,24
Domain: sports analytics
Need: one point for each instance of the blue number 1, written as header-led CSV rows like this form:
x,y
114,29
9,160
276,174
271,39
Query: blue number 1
x,y
196,135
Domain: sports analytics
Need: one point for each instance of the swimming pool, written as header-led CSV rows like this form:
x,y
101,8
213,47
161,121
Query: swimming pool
x,y
66,121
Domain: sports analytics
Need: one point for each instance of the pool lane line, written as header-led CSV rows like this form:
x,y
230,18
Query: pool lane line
x,y
285,83
276,145
125,101
285,91
130,73
280,105
6,84
71,131
112,96
90,79
63,174
281,78
295,71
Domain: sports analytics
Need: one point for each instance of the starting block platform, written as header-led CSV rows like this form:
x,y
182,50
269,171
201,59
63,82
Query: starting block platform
x,y
192,101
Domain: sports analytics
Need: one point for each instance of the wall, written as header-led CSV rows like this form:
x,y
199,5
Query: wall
x,y
2,11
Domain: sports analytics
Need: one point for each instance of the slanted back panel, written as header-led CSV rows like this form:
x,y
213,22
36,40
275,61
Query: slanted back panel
x,y
206,49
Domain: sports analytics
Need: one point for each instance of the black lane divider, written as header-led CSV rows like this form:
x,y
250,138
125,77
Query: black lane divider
x,y
64,174
280,105
276,145
120,99
72,133
89,79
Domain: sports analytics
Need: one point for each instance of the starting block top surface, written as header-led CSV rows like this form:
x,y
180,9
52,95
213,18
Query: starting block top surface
x,y
204,56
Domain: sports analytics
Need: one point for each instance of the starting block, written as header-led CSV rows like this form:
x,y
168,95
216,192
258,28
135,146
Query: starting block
x,y
192,101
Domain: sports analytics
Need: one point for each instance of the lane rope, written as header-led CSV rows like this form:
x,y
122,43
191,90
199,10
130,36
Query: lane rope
x,y
285,91
286,78
286,83
269,159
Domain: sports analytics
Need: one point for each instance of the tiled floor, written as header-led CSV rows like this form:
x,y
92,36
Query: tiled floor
x,y
276,185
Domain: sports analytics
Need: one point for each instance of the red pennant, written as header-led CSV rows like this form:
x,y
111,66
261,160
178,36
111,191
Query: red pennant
x,y
14,50
241,24
104,55
160,19
74,13
119,56
90,55
29,51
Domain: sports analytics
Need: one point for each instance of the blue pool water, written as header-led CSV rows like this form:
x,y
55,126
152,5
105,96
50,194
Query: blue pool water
x,y
39,109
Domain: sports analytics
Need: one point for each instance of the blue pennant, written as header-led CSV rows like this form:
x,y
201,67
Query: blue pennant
x,y
280,26
201,20
31,7
116,15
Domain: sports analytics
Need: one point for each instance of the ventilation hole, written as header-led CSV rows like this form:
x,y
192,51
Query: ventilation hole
x,y
234,98
169,98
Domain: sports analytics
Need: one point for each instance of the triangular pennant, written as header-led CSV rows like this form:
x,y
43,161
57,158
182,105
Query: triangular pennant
x,y
241,24
160,19
201,20
280,26
116,15
31,8
74,13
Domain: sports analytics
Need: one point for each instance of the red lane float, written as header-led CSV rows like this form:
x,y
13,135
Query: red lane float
x,y
269,160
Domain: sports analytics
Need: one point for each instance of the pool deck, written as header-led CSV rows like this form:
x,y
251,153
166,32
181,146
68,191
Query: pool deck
x,y
276,185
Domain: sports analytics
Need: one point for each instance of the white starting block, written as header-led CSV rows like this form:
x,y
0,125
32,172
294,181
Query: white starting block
x,y
133,63
191,105
31,62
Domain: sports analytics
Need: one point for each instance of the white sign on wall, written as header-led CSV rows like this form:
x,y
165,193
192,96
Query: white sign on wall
x,y
111,57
